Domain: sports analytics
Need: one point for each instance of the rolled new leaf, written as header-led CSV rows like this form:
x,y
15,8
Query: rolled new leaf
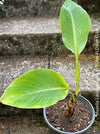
x,y
75,26
39,88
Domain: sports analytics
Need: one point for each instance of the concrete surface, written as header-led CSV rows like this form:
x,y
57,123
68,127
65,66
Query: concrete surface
x,y
38,25
13,67
39,36
29,125
21,121
34,8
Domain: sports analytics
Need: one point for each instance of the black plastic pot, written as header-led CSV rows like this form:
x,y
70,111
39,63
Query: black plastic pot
x,y
53,130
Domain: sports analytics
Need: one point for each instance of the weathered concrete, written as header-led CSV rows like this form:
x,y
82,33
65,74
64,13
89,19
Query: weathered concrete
x,y
21,121
25,124
89,73
38,25
38,36
12,67
32,122
91,6
29,26
33,8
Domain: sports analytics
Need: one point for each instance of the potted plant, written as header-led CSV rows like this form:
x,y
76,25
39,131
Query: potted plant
x,y
42,88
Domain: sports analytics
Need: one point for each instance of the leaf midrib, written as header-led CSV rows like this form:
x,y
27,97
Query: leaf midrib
x,y
49,89
74,37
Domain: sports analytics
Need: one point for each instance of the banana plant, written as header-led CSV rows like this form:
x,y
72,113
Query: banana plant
x,y
41,88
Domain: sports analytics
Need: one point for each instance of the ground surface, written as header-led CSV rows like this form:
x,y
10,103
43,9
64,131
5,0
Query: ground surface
x,y
12,67
26,125
15,121
37,25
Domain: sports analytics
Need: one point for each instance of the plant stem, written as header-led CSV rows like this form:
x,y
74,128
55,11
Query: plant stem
x,y
77,76
73,96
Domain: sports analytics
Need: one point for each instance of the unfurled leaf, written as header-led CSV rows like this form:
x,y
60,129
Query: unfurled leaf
x,y
75,26
35,89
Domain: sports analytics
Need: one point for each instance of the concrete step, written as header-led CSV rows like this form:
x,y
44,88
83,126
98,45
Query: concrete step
x,y
40,36
12,67
27,124
32,124
22,121
33,8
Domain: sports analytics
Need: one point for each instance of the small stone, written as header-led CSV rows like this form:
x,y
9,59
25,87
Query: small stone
x,y
89,122
2,126
63,129
62,106
58,128
81,120
78,126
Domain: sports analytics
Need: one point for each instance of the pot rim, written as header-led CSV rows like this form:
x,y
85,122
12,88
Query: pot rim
x,y
79,132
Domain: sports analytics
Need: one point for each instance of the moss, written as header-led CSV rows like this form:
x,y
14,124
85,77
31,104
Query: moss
x,y
97,126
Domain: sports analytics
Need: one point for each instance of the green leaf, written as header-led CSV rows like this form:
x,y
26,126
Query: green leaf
x,y
1,2
36,89
75,26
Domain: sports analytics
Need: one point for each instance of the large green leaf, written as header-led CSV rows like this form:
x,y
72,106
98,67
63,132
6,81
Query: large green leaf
x,y
36,89
75,26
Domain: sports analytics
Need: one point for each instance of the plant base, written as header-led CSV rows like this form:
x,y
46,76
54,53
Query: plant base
x,y
80,121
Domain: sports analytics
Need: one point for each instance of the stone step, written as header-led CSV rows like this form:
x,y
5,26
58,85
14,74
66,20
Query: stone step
x,y
33,8
22,121
32,124
40,36
13,66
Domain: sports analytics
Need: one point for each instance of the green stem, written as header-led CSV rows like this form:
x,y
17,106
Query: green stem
x,y
77,76
76,55
73,96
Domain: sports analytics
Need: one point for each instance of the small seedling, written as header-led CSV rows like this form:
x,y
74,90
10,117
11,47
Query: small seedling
x,y
41,88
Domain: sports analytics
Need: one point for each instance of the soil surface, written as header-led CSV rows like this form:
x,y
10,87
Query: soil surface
x,y
78,121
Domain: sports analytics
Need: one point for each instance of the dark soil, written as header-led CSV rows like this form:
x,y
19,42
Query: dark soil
x,y
78,121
